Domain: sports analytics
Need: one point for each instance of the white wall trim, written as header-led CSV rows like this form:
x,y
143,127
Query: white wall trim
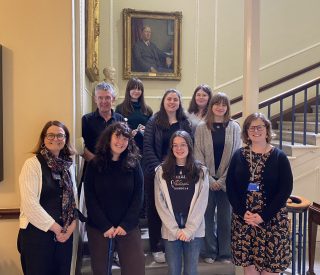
x,y
268,66
215,44
196,34
289,56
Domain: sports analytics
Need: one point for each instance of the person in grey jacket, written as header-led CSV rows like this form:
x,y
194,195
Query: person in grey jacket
x,y
216,140
181,195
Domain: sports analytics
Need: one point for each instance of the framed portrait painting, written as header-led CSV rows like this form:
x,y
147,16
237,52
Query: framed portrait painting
x,y
152,44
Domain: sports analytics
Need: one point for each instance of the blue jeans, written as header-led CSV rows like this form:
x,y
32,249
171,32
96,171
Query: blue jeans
x,y
189,251
217,241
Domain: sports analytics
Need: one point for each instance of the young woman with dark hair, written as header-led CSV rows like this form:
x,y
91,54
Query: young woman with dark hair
x,y
135,109
198,107
216,139
181,195
158,132
113,192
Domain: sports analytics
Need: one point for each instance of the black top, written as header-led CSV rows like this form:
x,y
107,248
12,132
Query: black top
x,y
181,193
134,119
153,144
51,192
93,125
113,196
277,180
218,140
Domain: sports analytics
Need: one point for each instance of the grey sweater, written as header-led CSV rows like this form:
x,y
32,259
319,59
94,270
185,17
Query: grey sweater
x,y
203,150
195,226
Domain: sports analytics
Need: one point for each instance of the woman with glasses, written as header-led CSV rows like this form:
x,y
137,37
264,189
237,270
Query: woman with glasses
x,y
198,107
259,182
48,204
113,188
216,139
181,195
158,132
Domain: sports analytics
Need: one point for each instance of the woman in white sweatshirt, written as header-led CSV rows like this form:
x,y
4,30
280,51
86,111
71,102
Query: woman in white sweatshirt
x,y
181,195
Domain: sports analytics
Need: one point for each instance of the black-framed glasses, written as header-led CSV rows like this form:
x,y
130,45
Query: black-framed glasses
x,y
258,128
51,136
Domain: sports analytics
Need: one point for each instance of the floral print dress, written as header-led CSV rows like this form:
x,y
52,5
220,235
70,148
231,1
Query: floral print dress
x,y
267,247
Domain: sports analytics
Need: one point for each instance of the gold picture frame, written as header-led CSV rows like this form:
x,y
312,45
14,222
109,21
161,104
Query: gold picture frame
x,y
92,40
156,55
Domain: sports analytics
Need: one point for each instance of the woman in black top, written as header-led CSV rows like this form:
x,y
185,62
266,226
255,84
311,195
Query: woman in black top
x,y
113,191
158,132
48,204
135,109
259,182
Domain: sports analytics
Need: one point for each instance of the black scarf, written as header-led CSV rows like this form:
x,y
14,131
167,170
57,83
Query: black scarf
x,y
60,171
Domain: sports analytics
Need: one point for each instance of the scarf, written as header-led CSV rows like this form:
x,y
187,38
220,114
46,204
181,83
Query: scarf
x,y
60,171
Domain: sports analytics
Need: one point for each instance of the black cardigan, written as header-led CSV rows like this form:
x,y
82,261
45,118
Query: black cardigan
x,y
152,144
277,180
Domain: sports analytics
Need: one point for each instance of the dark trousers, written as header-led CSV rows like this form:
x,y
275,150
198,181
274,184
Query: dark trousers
x,y
129,248
40,254
154,221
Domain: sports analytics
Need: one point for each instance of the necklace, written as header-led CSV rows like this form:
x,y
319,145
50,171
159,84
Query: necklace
x,y
253,170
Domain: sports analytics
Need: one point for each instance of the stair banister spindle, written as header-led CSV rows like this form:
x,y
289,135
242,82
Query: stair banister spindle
x,y
281,122
305,116
316,130
293,117
269,111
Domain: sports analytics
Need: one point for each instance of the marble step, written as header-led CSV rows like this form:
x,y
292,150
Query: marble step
x,y
311,138
310,117
153,268
298,126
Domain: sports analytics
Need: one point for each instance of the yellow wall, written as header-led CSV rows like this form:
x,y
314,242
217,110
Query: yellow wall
x,y
37,86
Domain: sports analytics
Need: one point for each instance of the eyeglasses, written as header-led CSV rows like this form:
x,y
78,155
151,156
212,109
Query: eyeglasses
x,y
51,136
258,128
177,146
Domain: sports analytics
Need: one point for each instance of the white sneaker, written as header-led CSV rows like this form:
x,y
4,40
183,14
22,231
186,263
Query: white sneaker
x,y
209,260
159,257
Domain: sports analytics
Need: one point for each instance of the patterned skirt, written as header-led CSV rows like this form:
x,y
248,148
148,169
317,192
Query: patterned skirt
x,y
266,247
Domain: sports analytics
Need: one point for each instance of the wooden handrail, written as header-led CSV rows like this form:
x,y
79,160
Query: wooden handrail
x,y
280,81
12,213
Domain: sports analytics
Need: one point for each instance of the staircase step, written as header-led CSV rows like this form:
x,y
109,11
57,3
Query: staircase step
x,y
310,117
298,126
293,150
314,108
311,138
153,268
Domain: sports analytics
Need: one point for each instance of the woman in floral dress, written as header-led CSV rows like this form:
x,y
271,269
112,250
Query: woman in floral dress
x,y
259,182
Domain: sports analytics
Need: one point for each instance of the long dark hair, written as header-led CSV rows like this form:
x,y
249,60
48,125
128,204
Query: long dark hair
x,y
192,167
217,99
161,117
193,107
126,107
129,157
68,150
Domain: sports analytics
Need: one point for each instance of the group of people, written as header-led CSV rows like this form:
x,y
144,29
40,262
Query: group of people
x,y
206,195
